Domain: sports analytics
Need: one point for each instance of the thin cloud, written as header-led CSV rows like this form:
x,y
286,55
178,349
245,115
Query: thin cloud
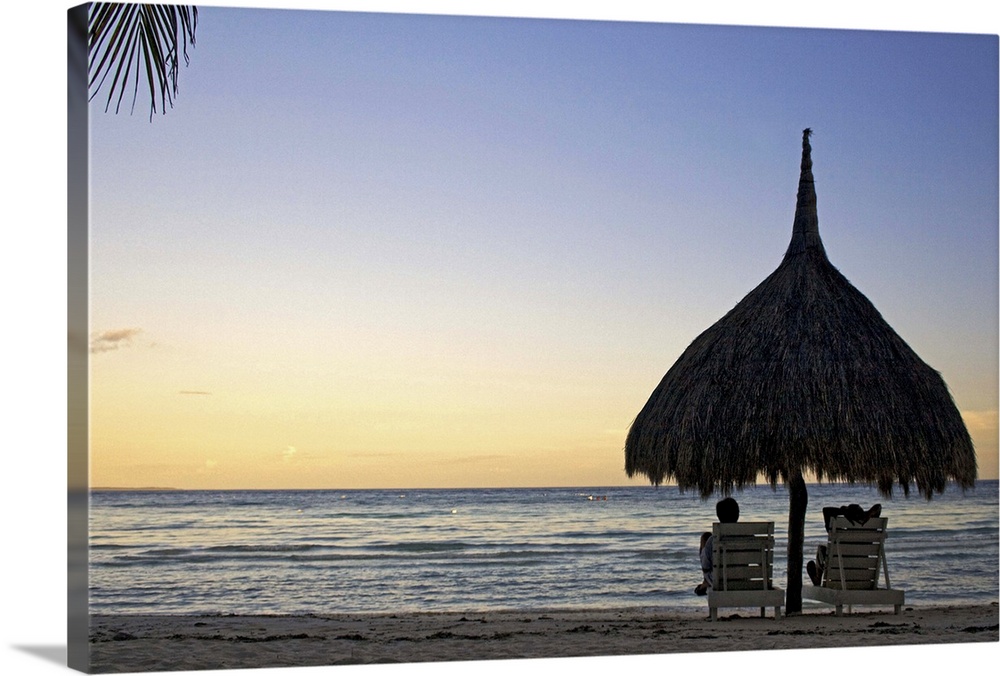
x,y
198,392
107,341
473,459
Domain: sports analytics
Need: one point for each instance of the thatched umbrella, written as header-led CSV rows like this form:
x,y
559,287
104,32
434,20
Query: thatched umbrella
x,y
802,376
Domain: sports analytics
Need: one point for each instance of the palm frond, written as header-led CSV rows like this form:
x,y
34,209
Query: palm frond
x,y
133,43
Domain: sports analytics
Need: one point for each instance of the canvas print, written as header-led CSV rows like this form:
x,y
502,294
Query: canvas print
x,y
413,338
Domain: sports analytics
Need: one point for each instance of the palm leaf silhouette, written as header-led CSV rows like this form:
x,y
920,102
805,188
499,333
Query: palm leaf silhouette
x,y
133,43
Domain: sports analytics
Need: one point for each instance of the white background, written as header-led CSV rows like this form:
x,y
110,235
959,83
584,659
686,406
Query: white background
x,y
32,157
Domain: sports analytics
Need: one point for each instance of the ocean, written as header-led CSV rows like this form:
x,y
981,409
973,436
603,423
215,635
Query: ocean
x,y
337,551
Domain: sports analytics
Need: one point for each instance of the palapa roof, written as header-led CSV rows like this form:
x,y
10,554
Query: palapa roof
x,y
803,375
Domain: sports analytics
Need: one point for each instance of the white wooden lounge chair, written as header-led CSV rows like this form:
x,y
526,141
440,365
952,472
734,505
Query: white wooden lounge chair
x,y
742,559
855,555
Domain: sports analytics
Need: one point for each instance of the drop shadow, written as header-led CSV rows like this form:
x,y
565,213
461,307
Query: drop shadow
x,y
50,653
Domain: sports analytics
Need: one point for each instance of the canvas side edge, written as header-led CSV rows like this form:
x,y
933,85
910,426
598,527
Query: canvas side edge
x,y
77,653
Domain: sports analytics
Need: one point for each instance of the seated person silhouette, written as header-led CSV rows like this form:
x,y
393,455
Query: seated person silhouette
x,y
728,511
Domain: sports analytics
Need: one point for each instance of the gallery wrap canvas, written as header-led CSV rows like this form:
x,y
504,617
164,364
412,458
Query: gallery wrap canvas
x,y
422,339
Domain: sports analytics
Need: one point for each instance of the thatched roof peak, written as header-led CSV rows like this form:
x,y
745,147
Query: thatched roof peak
x,y
805,228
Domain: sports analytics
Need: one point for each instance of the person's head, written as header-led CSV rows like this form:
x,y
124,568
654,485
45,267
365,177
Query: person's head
x,y
728,510
855,514
704,539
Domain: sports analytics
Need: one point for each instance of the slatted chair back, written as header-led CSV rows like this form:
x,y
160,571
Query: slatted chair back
x,y
856,555
743,556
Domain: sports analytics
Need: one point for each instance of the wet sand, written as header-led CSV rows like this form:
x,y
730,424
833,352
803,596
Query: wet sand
x,y
130,643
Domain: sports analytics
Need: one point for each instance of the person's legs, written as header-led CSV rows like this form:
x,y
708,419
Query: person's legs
x,y
814,574
815,568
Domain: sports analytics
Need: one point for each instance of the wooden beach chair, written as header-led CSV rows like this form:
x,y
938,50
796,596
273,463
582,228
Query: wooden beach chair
x,y
742,559
855,556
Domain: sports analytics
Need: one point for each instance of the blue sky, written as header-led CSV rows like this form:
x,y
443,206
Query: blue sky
x,y
478,243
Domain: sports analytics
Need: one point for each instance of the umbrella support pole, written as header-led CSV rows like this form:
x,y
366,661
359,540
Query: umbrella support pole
x,y
798,501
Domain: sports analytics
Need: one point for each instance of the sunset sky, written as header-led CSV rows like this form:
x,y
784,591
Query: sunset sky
x,y
377,250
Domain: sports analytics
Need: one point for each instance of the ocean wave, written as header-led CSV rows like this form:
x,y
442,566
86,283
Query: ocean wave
x,y
266,548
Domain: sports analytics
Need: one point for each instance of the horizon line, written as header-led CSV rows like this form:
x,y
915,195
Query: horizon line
x,y
588,487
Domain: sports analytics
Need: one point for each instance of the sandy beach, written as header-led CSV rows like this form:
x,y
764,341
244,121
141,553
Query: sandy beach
x,y
167,643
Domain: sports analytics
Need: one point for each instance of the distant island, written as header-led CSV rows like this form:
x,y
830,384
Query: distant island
x,y
139,488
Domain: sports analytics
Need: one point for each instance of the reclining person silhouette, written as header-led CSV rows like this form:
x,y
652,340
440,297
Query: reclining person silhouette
x,y
854,513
